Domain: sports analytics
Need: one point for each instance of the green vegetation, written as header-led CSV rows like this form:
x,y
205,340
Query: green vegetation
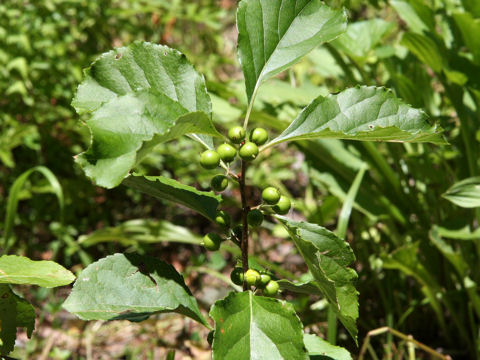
x,y
350,214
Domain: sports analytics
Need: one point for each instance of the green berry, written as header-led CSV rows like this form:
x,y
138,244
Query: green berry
x,y
222,218
236,134
252,277
237,231
219,183
283,205
212,241
248,151
209,159
237,276
270,195
210,336
227,152
259,136
264,279
271,289
255,218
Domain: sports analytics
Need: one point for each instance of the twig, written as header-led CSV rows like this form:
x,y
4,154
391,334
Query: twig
x,y
245,209
407,338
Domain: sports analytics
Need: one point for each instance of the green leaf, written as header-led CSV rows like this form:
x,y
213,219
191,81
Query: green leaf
x,y
14,198
14,312
308,287
362,37
21,270
472,6
273,35
425,49
470,28
256,327
137,97
465,193
419,17
161,187
130,286
455,257
327,258
406,260
133,232
361,113
319,349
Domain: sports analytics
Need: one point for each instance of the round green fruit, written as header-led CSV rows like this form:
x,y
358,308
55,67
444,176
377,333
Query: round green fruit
x,y
255,218
264,280
252,277
236,134
219,183
237,276
238,231
212,241
227,152
222,219
259,136
248,151
209,159
271,289
270,195
283,205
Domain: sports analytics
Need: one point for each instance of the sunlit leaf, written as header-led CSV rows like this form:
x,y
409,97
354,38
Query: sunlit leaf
x,y
361,113
327,258
273,35
319,349
137,97
21,270
130,286
251,327
465,193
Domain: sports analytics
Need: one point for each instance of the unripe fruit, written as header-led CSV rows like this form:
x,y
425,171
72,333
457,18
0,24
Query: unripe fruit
x,y
227,152
248,151
219,183
237,276
209,159
255,218
252,277
264,279
283,205
212,241
270,195
210,337
236,134
271,289
237,231
222,218
259,136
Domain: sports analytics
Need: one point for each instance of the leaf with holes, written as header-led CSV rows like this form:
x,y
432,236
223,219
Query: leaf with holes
x,y
256,327
137,97
130,286
327,258
15,312
361,113
273,35
21,270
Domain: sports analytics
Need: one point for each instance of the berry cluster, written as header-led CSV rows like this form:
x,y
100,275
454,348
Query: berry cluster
x,y
261,280
273,201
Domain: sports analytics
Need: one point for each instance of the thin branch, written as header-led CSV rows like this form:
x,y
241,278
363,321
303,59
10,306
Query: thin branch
x,y
245,209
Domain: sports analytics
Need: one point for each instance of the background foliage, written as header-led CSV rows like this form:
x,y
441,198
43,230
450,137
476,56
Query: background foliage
x,y
417,251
